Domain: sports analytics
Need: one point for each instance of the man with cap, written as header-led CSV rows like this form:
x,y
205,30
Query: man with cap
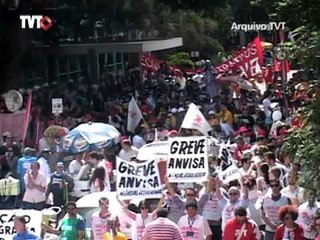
x,y
57,185
127,151
24,164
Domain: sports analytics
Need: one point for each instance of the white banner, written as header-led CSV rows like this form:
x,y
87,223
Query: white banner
x,y
57,105
188,159
138,180
7,230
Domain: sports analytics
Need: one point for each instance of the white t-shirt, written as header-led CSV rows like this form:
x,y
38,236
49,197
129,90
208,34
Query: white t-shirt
x,y
228,209
127,155
307,217
74,167
139,226
212,210
191,229
98,225
266,106
271,209
297,194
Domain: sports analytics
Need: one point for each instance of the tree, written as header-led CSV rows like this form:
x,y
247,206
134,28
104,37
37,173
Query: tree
x,y
304,144
181,59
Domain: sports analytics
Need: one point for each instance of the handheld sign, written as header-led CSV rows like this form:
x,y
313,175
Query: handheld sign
x,y
188,159
138,180
228,170
7,230
57,106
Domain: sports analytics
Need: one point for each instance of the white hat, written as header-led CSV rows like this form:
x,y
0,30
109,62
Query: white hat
x,y
181,109
211,112
174,110
36,87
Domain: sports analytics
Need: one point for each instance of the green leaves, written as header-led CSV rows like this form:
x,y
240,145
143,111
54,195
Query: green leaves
x,y
305,145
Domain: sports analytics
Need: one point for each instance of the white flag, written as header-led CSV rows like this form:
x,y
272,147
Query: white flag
x,y
134,115
194,119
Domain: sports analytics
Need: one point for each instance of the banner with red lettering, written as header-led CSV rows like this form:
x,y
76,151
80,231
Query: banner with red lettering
x,y
150,63
248,60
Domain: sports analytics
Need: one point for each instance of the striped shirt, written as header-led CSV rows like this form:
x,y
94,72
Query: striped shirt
x,y
162,229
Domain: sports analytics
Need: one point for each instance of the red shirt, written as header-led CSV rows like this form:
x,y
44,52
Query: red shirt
x,y
297,232
233,228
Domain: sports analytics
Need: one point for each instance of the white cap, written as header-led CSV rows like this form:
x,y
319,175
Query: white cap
x,y
36,87
181,109
211,112
174,110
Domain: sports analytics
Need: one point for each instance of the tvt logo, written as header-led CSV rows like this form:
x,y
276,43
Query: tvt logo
x,y
35,21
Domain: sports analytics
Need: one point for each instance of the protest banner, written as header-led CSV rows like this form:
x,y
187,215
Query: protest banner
x,y
138,180
248,60
7,230
188,159
228,170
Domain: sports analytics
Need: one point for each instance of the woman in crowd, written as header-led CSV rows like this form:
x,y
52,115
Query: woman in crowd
x,y
97,182
143,218
289,229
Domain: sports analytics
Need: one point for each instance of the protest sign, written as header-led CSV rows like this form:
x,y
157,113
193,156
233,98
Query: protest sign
x,y
228,170
138,180
7,230
57,106
248,60
188,159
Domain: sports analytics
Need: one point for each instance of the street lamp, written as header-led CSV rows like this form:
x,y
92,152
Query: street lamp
x,y
281,56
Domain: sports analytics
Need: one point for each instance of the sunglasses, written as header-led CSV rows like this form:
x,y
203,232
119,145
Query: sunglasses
x,y
143,208
190,195
274,185
233,193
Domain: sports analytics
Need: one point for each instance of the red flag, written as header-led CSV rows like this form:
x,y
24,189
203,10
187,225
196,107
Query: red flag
x,y
249,60
277,66
27,117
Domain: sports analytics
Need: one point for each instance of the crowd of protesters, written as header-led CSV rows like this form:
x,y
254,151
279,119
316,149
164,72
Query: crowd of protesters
x,y
266,202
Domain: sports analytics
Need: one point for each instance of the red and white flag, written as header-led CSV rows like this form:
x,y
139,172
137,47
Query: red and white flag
x,y
194,119
134,115
27,117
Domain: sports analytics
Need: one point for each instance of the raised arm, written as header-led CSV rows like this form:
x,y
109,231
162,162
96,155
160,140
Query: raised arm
x,y
130,214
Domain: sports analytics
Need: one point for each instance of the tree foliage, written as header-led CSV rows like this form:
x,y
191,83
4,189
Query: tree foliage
x,y
181,59
304,144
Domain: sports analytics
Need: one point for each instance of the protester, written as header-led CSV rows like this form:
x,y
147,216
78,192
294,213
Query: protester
x,y
72,226
162,228
317,225
210,208
36,183
97,181
307,214
293,191
143,218
289,229
24,164
114,233
12,150
99,220
241,227
127,150
193,225
75,165
60,185
21,229
271,204
43,160
232,202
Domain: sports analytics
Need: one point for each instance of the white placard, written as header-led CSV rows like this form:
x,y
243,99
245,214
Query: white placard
x,y
7,230
57,105
138,180
188,159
